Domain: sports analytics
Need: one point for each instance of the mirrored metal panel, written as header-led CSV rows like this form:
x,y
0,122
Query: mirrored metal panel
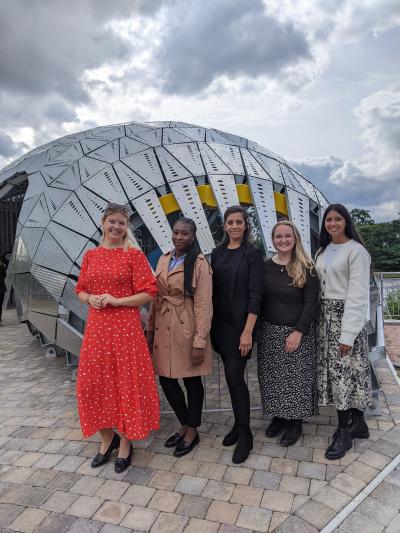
x,y
159,170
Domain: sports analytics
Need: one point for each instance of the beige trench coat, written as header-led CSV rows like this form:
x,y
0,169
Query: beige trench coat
x,y
180,322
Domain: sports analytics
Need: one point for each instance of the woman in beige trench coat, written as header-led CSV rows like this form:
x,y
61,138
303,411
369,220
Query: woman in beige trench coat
x,y
178,331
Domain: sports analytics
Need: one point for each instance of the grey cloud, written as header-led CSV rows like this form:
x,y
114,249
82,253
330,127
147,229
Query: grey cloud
x,y
9,148
372,181
347,182
212,39
48,44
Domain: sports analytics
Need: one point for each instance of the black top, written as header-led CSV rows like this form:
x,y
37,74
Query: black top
x,y
222,279
285,305
237,283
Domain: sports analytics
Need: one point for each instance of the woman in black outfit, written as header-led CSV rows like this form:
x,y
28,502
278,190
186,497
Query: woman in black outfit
x,y
287,362
237,293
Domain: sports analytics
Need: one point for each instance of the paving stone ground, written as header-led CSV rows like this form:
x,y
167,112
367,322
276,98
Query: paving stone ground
x,y
47,485
392,338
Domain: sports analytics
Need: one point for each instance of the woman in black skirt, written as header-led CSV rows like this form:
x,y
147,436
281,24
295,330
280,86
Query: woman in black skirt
x,y
287,366
237,292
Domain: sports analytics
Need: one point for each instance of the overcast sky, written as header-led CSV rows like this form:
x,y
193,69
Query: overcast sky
x,y
316,81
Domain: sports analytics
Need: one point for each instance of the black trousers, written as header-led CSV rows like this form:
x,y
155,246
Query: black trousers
x,y
226,342
188,414
2,294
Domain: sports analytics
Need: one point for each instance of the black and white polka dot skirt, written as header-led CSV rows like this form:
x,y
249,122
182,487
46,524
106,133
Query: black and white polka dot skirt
x,y
288,381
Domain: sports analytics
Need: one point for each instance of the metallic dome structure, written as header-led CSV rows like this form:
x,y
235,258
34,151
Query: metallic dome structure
x,y
157,169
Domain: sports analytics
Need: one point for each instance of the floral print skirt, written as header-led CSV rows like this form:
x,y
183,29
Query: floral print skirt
x,y
288,381
343,380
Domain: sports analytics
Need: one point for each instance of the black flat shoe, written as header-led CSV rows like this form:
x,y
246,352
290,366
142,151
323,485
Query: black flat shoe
x,y
122,463
292,433
231,438
173,440
184,447
341,443
100,459
243,447
276,426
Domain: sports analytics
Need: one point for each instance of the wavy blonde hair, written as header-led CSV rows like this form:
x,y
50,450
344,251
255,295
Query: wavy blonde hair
x,y
300,261
128,239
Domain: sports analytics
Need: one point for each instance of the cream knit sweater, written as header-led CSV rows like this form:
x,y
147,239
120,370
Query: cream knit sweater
x,y
347,278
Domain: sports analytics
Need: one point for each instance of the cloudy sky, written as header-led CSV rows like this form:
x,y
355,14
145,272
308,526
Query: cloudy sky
x,y
316,81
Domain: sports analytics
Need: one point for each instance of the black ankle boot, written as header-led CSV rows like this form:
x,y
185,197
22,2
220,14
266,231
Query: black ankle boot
x,y
276,426
243,446
292,433
358,427
340,445
231,438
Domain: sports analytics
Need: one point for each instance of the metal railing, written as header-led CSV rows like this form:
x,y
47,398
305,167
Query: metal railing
x,y
389,288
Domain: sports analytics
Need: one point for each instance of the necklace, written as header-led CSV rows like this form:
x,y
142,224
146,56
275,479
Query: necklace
x,y
282,266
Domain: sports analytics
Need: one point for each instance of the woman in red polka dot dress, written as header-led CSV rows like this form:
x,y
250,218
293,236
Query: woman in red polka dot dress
x,y
116,386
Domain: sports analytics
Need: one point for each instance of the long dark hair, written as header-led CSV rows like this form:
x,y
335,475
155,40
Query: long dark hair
x,y
190,258
247,232
350,228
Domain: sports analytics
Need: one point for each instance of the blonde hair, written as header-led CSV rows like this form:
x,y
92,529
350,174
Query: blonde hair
x,y
128,239
300,261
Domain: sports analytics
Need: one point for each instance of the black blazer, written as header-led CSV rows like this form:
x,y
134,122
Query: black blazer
x,y
246,290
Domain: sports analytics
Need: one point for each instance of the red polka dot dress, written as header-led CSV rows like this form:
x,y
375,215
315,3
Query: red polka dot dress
x,y
116,386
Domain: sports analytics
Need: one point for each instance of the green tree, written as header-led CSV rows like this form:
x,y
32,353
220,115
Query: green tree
x,y
361,217
383,243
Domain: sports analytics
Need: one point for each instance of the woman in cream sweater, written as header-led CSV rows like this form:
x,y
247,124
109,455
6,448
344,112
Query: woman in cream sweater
x,y
344,380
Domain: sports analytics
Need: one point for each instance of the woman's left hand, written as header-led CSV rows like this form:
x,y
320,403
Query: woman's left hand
x,y
107,299
246,342
344,348
293,341
197,356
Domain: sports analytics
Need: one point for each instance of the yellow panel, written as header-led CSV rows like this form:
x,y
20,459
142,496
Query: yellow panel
x,y
170,205
280,203
243,191
207,195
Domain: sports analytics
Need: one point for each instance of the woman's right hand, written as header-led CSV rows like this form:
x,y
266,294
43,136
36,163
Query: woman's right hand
x,y
150,340
94,300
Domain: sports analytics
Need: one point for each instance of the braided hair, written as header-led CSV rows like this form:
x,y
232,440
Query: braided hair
x,y
190,258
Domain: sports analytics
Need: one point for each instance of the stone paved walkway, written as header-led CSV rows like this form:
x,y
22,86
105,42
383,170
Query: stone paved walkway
x,y
392,338
47,485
